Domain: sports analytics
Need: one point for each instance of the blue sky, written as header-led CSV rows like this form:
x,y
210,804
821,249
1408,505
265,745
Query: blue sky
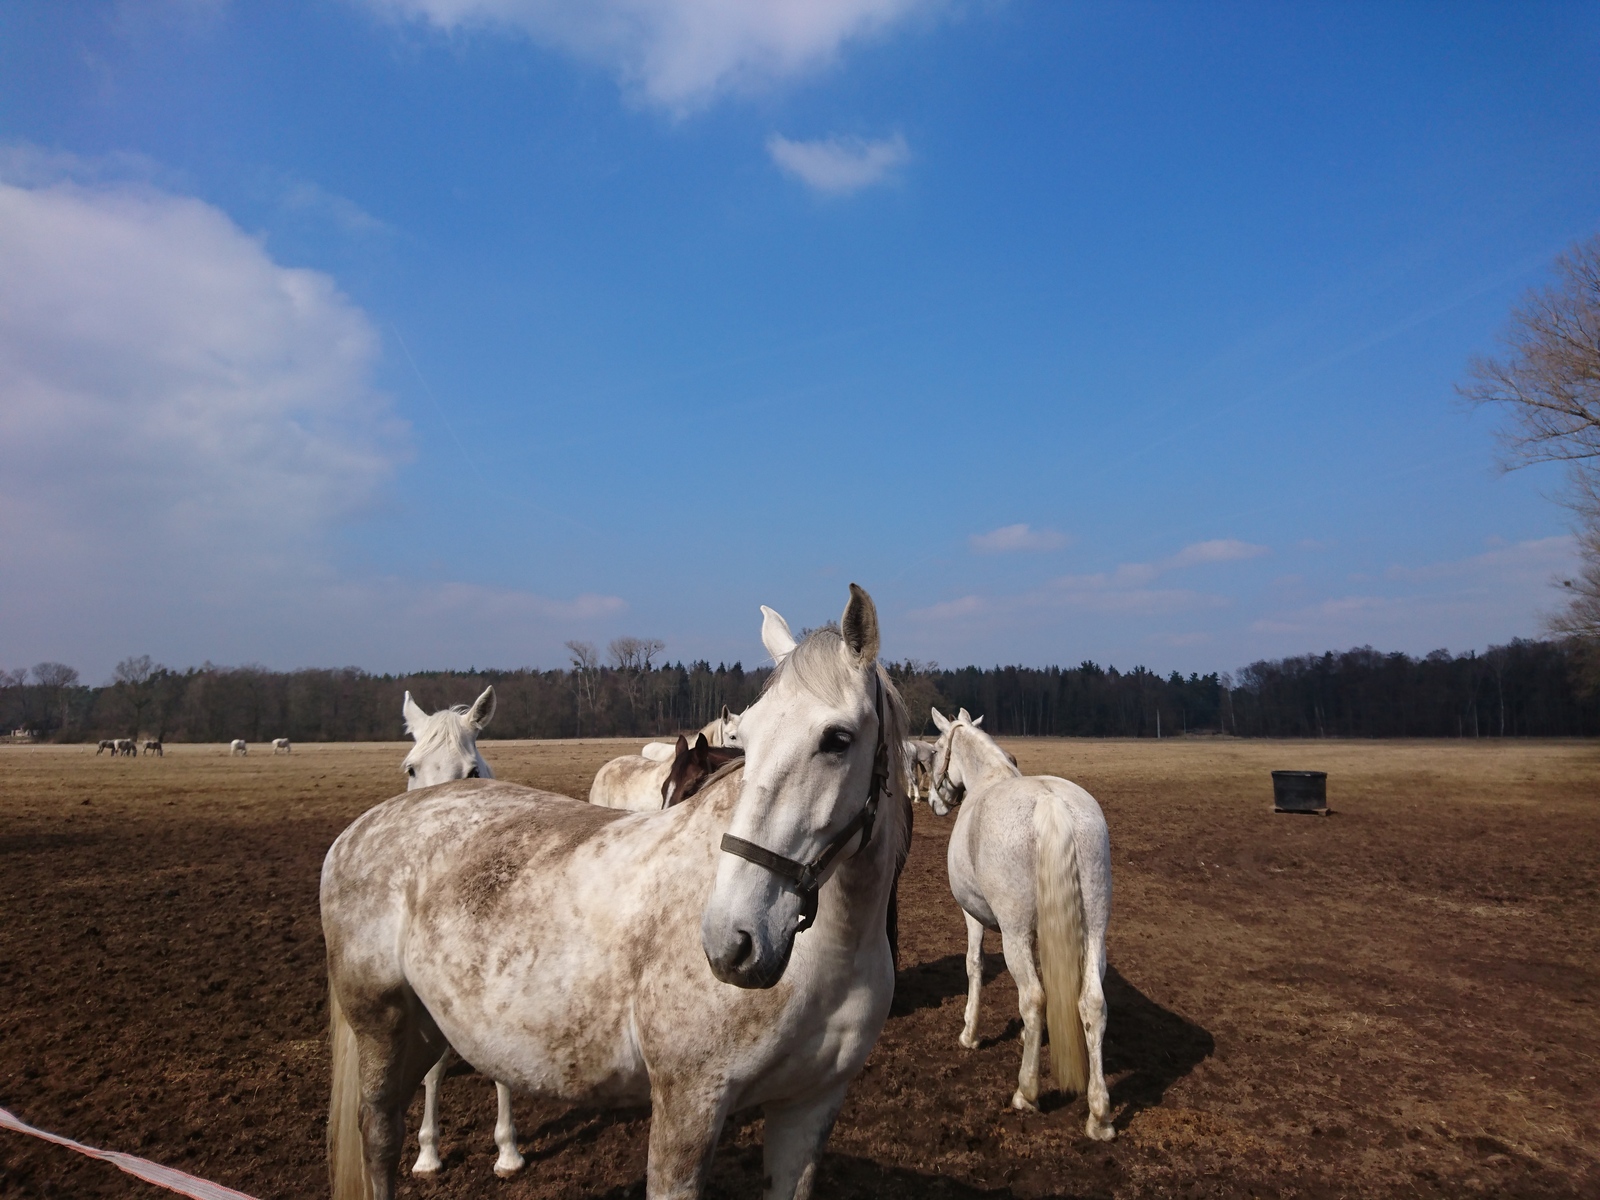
x,y
427,333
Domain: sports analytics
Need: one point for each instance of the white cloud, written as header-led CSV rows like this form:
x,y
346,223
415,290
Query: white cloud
x,y
838,166
680,54
186,427
1013,538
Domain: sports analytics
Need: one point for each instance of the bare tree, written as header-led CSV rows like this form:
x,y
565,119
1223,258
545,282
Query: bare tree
x,y
55,680
1548,383
585,677
632,656
132,677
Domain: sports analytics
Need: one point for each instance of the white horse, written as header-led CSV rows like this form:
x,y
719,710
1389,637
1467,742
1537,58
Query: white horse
x,y
731,951
1030,856
281,745
632,782
721,731
919,776
447,749
238,748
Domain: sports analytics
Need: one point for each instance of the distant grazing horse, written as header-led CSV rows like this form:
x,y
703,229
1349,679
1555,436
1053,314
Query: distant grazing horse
x,y
127,746
153,746
1030,856
282,744
237,747
107,744
729,952
447,749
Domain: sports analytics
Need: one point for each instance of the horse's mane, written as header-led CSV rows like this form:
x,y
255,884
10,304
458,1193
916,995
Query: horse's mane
x,y
440,729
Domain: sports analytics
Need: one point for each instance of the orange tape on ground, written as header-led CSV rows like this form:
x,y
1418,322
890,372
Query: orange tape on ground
x,y
166,1177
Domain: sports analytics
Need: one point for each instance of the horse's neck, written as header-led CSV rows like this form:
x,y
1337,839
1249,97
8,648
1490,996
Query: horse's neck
x,y
983,763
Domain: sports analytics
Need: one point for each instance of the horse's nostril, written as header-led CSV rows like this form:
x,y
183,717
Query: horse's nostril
x,y
741,951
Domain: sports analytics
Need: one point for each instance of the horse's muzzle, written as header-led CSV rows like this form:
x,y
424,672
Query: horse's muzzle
x,y
751,953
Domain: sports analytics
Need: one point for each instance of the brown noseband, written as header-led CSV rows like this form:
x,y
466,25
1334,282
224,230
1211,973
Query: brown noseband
x,y
807,877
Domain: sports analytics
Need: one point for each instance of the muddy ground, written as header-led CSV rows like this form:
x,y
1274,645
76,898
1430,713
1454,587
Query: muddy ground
x,y
1399,999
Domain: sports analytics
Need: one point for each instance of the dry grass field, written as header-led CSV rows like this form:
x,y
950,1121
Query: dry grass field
x,y
1399,999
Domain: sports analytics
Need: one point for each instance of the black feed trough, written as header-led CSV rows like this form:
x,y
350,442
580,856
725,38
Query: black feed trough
x,y
1300,792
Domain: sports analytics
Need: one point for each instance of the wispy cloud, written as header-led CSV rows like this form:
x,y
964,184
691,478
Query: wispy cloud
x,y
1538,559
837,166
1124,591
312,200
680,54
1011,539
1480,598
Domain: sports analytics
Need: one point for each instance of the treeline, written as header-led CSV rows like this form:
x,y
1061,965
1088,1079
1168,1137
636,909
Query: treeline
x,y
1524,689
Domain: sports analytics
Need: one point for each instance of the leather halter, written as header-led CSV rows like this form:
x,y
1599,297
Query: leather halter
x,y
807,877
941,779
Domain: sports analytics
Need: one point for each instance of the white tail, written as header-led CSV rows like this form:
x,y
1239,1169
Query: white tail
x,y
1060,902
347,1160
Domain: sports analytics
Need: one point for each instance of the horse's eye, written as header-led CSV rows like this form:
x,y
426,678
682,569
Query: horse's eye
x,y
472,774
836,740
411,771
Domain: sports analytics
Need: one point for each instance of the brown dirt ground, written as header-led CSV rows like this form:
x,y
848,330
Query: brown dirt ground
x,y
1397,999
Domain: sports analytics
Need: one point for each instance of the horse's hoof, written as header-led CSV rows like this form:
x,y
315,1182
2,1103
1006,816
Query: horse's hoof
x,y
1101,1131
426,1166
507,1168
1022,1104
971,1043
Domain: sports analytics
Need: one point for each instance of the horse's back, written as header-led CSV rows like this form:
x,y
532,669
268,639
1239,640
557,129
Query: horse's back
x,y
632,782
992,849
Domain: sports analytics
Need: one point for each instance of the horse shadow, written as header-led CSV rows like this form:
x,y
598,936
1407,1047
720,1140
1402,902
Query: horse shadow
x,y
1148,1047
737,1174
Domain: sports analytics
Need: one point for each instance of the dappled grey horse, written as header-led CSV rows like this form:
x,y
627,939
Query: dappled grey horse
x,y
726,952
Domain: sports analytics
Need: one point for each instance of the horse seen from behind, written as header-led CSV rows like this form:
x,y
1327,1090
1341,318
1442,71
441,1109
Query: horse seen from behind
x,y
1030,856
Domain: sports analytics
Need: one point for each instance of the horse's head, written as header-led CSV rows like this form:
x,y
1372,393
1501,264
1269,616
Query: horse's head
x,y
728,726
822,753
447,742
692,766
950,768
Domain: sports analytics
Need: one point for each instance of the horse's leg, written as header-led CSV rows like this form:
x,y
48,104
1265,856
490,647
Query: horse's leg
x,y
505,1135
394,1058
1018,947
1092,1009
796,1134
685,1120
969,1028
428,1136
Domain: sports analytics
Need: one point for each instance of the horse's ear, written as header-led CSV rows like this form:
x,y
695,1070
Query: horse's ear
x,y
482,710
859,625
775,635
680,748
726,712
964,715
976,721
700,742
940,721
413,714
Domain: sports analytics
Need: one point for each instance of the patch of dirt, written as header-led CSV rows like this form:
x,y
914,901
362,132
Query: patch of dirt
x,y
1396,999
